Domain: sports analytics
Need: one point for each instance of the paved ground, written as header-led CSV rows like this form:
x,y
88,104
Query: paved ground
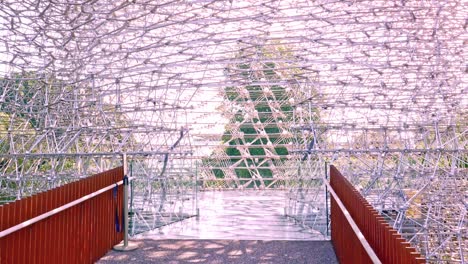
x,y
225,251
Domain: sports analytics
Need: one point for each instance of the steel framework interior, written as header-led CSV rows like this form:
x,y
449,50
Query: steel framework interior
x,y
206,94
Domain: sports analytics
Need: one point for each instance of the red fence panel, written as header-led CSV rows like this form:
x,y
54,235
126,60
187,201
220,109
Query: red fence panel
x,y
388,245
82,233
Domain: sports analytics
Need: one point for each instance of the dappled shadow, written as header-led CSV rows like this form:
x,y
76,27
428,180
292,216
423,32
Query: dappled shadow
x,y
225,251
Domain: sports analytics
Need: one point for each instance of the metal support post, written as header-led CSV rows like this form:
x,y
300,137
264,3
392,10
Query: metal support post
x,y
196,191
326,201
125,245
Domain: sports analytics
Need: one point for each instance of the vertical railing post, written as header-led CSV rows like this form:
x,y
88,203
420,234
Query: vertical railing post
x,y
326,201
196,190
131,188
126,245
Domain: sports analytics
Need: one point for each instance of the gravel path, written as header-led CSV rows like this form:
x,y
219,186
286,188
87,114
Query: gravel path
x,y
225,251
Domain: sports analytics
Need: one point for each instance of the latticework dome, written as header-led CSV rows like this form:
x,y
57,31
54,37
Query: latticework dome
x,y
244,94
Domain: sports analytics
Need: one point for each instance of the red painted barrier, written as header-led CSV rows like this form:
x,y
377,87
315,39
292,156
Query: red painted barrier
x,y
389,246
80,234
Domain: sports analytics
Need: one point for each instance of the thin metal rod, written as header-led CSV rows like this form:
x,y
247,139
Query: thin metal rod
x,y
189,154
196,190
55,211
95,154
125,198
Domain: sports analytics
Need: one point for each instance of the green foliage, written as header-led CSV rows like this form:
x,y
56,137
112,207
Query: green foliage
x,y
22,96
27,100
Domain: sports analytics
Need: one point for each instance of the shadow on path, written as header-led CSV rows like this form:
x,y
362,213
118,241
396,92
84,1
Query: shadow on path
x,y
225,251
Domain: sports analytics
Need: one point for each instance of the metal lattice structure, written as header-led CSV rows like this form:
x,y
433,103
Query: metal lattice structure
x,y
259,106
376,87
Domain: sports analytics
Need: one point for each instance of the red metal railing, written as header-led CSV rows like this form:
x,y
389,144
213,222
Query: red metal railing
x,y
82,233
388,245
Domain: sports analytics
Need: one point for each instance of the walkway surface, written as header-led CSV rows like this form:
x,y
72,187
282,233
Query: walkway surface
x,y
225,252
238,215
233,227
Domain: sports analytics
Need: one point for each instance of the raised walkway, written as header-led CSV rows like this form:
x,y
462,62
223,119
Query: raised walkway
x,y
233,227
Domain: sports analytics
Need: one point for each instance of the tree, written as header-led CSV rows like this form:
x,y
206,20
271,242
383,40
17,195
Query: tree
x,y
41,114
